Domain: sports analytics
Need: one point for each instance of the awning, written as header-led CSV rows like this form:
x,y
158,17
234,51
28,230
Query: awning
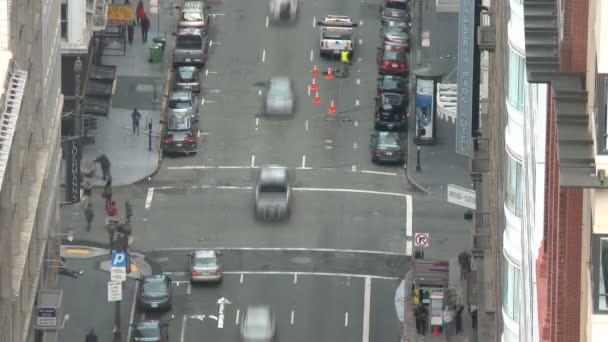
x,y
429,272
99,106
104,73
101,86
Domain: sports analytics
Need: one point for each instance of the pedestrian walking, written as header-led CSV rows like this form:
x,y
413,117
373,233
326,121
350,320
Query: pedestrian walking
x,y
473,313
145,26
464,260
88,214
107,192
420,315
140,12
458,308
417,314
91,336
135,117
112,213
424,318
131,31
447,316
105,165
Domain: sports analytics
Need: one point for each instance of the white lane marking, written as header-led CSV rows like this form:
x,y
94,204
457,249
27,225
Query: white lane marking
x,y
357,103
308,90
278,249
241,279
189,288
356,123
361,23
252,160
314,274
306,125
257,122
354,168
238,315
355,146
292,316
217,14
183,332
203,101
366,302
379,172
132,316
202,167
220,317
346,319
206,72
359,59
263,55
295,278
213,317
267,19
358,81
408,225
355,191
311,55
260,92
314,21
360,41
211,42
304,161
149,198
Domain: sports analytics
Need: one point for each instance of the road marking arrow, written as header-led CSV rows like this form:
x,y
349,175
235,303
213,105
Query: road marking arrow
x,y
220,320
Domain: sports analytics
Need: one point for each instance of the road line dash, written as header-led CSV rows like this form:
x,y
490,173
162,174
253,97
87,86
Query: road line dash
x,y
292,316
149,198
241,280
295,278
183,332
306,125
314,21
263,55
267,20
356,123
238,314
346,319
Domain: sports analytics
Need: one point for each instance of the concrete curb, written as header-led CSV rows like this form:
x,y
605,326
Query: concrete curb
x,y
413,183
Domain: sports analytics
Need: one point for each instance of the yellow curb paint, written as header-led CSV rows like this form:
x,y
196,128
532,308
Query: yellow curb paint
x,y
77,251
133,267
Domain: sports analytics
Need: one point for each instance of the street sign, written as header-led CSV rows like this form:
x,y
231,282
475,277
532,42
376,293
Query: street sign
x,y
119,259
46,317
118,274
422,239
114,291
461,196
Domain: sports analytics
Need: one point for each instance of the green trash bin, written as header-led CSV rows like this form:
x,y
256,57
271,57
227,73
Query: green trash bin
x,y
156,54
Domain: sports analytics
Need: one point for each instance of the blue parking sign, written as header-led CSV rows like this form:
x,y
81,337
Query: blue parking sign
x,y
119,259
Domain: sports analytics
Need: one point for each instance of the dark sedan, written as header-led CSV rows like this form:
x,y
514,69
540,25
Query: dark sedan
x,y
155,293
392,59
391,112
395,10
187,78
396,32
393,84
386,147
180,136
150,331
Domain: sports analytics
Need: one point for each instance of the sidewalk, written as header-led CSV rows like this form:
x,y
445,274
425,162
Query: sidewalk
x,y
440,164
141,85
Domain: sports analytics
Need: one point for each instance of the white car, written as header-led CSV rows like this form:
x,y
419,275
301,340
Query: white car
x,y
280,97
283,10
258,324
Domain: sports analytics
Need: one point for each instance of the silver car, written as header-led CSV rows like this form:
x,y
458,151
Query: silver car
x,y
283,10
280,98
205,266
183,102
272,194
258,324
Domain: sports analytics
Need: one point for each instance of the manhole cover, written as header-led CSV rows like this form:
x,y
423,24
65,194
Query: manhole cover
x,y
301,260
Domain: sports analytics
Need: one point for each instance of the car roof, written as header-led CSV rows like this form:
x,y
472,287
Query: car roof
x,y
181,95
155,278
190,31
273,174
280,79
258,311
205,253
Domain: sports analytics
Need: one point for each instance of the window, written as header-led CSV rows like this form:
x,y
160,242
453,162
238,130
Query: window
x,y
64,20
600,270
513,180
510,289
516,80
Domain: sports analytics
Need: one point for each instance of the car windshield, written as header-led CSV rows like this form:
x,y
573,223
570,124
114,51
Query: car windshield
x,y
189,42
146,331
205,261
398,5
178,122
391,99
279,88
393,55
273,187
186,74
388,140
393,83
258,324
337,33
179,104
155,286
396,31
191,16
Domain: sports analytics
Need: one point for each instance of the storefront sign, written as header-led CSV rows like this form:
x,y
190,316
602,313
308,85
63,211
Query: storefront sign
x,y
466,44
72,152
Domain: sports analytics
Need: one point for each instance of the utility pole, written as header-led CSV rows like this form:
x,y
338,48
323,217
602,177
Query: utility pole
x,y
78,124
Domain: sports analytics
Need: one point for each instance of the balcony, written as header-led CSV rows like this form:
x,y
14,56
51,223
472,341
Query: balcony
x,y
98,12
482,236
480,161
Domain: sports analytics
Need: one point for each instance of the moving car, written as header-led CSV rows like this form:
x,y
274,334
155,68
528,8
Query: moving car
x,y
395,32
337,34
386,147
392,59
391,112
280,97
395,10
154,293
187,78
283,10
190,47
150,331
258,324
180,135
393,84
272,193
192,14
204,266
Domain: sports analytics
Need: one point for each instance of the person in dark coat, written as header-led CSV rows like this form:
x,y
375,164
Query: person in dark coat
x,y
131,31
105,165
107,192
473,312
458,317
135,117
145,27
91,337
421,315
464,259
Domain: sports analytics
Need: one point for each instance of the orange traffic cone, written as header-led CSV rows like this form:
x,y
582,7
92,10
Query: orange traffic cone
x,y
315,72
330,75
436,331
313,85
317,99
332,108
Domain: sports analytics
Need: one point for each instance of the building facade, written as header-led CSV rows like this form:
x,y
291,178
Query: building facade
x,y
30,157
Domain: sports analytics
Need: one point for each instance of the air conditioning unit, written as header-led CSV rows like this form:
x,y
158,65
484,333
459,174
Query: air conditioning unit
x,y
486,37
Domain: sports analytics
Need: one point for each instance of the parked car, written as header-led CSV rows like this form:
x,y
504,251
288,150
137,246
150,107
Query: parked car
x,y
187,78
258,324
180,135
272,193
154,293
395,10
204,266
193,15
395,32
283,10
183,102
150,331
280,97
391,112
393,84
190,47
392,60
386,147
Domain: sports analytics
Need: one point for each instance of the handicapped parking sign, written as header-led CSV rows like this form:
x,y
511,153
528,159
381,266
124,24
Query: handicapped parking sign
x,y
119,259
